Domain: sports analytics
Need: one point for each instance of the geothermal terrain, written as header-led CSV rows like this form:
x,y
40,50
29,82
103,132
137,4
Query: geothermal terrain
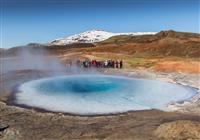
x,y
166,56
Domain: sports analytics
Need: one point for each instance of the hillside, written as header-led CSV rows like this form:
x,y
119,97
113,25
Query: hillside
x,y
164,43
91,36
35,48
1,49
122,39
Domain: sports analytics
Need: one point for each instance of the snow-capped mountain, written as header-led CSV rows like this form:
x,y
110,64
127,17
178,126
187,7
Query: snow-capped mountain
x,y
91,37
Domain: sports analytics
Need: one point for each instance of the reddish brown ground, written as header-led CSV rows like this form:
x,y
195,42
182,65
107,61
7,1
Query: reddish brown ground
x,y
161,64
178,66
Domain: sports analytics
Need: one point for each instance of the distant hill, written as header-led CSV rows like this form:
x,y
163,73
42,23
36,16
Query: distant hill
x,y
2,51
35,48
122,39
91,36
165,43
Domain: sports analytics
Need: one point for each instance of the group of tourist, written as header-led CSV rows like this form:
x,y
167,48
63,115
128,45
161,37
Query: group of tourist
x,y
99,64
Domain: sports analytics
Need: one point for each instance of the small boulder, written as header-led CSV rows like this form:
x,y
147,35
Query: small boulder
x,y
3,126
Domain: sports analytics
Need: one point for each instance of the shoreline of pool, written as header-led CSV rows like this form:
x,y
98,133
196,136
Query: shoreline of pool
x,y
187,106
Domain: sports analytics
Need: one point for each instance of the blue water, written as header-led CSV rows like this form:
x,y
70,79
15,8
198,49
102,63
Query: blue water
x,y
100,94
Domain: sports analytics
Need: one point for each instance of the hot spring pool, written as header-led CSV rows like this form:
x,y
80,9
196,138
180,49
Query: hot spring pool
x,y
100,94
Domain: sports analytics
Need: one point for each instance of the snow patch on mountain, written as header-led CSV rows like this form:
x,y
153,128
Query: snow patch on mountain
x,y
91,36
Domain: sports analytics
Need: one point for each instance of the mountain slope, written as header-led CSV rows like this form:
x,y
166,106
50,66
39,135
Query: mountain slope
x,y
122,39
91,37
164,43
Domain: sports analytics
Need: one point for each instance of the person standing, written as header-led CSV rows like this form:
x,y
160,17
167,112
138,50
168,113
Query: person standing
x,y
117,64
121,64
113,63
106,64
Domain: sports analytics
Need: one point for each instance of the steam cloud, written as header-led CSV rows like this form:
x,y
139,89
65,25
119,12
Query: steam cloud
x,y
28,58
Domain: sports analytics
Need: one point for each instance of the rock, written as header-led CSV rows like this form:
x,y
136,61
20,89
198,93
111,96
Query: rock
x,y
11,134
179,130
3,126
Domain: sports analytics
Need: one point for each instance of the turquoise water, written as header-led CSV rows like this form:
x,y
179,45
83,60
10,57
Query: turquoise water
x,y
100,94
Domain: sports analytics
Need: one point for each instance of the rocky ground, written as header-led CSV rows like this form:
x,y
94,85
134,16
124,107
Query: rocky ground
x,y
22,124
25,124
